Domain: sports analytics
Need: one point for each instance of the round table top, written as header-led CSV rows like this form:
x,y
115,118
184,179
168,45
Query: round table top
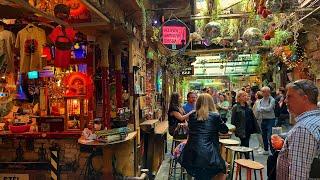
x,y
229,141
249,164
239,148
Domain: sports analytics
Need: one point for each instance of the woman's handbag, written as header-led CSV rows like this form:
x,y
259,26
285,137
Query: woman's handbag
x,y
181,131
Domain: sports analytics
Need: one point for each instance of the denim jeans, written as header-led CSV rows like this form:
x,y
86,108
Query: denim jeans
x,y
266,128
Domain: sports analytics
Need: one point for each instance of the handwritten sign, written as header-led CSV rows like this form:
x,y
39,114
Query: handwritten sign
x,y
174,35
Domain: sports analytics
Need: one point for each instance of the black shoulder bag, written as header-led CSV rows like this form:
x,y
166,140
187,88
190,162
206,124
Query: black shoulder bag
x,y
315,167
66,44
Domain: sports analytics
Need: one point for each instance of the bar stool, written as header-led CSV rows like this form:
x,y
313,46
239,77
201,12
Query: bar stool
x,y
227,142
240,150
173,162
249,165
225,136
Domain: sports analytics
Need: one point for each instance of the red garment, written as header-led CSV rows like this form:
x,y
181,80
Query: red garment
x,y
62,57
47,52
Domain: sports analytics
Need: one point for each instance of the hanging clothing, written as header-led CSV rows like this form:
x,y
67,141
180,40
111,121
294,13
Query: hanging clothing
x,y
30,41
7,40
66,35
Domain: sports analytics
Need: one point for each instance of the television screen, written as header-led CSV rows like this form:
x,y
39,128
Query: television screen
x,y
33,75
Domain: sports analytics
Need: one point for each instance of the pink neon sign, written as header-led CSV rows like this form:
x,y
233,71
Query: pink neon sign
x,y
174,35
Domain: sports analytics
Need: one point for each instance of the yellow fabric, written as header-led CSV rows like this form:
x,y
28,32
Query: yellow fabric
x,y
8,39
30,61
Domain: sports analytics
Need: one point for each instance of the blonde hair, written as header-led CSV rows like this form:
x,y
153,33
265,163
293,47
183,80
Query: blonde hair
x,y
240,93
204,105
265,88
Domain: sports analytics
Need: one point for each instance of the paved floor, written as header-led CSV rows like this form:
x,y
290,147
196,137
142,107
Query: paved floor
x,y
164,169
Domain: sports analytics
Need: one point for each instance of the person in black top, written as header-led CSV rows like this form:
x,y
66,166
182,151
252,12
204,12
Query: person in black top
x,y
176,115
243,119
201,155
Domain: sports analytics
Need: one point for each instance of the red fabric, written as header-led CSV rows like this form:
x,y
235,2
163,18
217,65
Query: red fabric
x,y
47,52
62,57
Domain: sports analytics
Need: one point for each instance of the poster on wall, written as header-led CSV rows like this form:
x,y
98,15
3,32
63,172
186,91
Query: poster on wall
x,y
174,34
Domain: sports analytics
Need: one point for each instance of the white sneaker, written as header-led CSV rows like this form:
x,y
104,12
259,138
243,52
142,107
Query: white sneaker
x,y
260,149
256,148
263,152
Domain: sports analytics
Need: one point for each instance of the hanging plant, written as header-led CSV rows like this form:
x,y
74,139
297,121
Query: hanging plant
x,y
280,38
143,19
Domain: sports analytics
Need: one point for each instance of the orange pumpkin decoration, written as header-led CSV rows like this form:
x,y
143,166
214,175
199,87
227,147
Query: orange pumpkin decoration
x,y
277,142
76,7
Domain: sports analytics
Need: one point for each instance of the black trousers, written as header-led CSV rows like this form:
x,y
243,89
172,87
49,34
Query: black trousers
x,y
245,142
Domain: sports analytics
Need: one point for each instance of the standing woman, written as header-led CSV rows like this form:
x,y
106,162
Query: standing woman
x,y
201,156
223,107
177,117
242,117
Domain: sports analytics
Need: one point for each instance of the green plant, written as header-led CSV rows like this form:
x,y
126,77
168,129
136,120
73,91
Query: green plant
x,y
280,38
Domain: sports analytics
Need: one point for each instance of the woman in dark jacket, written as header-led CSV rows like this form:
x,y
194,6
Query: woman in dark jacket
x,y
201,156
243,119
176,115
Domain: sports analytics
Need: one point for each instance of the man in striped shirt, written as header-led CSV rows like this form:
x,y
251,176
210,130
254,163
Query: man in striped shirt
x,y
302,144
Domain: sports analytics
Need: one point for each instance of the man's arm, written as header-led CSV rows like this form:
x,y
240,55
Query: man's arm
x,y
302,148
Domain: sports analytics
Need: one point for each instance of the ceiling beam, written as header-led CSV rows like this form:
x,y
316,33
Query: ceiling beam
x,y
221,16
213,51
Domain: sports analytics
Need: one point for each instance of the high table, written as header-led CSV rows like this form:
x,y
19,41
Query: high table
x,y
117,154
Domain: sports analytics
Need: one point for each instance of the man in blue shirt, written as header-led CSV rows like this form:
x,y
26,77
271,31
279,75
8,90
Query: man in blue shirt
x,y
191,104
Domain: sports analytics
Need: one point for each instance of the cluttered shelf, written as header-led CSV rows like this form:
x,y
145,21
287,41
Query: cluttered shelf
x,y
42,135
84,141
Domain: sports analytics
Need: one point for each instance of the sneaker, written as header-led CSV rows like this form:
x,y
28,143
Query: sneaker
x,y
260,150
256,148
263,152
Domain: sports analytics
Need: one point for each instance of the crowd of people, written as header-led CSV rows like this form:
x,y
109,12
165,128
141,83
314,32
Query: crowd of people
x,y
252,110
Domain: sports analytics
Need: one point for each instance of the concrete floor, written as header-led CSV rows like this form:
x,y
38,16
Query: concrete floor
x,y
164,169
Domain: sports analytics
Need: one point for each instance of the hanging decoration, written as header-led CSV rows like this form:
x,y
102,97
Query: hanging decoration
x,y
174,35
78,11
143,20
210,31
78,84
252,36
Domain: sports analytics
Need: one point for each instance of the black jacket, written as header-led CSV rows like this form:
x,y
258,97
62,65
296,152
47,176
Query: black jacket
x,y
202,148
245,123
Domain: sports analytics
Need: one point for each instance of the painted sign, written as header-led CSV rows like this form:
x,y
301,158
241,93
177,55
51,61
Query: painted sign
x,y
174,34
14,176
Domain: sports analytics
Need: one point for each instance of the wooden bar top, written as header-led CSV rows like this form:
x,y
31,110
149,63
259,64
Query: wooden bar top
x,y
84,141
161,127
42,135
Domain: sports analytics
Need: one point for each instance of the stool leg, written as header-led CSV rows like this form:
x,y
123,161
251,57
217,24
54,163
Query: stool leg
x,y
240,172
237,171
226,154
234,158
254,171
174,169
248,173
261,177
171,160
